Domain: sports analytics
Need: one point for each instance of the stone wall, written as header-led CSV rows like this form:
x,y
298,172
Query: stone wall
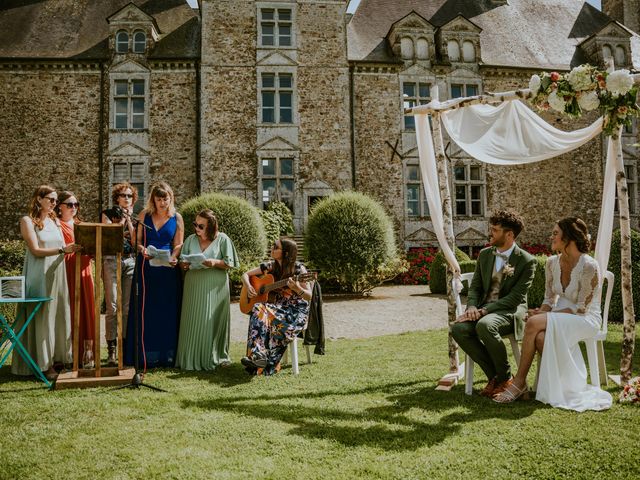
x,y
173,125
228,94
378,118
48,135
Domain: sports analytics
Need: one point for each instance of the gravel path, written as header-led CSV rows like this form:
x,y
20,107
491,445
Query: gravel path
x,y
389,310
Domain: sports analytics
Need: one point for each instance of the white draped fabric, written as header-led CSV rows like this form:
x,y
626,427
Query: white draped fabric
x,y
511,134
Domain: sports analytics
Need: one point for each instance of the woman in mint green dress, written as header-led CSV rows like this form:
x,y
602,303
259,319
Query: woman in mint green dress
x,y
203,341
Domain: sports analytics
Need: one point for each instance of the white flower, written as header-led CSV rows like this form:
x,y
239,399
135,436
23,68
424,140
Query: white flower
x,y
619,82
534,85
580,78
589,101
556,102
508,270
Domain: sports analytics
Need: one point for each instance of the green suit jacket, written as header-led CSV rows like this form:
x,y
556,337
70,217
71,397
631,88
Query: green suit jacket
x,y
512,300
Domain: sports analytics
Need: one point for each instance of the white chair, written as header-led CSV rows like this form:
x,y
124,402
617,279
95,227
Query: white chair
x,y
294,355
468,362
595,344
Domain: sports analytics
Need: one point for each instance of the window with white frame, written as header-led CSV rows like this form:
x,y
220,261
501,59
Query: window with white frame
x,y
122,42
139,42
414,93
134,173
416,199
469,185
463,90
277,180
276,27
129,104
276,91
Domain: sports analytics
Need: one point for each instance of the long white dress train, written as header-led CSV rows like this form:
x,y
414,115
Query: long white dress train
x,y
563,374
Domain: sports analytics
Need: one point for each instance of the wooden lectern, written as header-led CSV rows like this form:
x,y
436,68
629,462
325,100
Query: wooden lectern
x,y
97,239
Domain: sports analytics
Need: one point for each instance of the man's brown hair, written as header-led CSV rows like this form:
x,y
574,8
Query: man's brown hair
x,y
508,220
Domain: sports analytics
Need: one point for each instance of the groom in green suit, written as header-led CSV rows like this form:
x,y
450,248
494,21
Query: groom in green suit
x,y
497,301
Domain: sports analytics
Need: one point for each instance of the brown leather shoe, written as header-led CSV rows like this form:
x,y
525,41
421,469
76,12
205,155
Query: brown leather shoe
x,y
487,391
502,386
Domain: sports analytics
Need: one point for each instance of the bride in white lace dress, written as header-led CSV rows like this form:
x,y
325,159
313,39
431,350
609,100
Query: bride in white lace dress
x,y
570,313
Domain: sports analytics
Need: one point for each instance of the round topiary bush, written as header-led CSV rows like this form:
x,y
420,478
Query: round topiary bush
x,y
535,295
237,218
438,271
350,239
615,309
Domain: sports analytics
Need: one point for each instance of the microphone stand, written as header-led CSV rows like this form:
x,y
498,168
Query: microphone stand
x,y
137,380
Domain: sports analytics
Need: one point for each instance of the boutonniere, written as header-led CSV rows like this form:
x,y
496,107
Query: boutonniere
x,y
508,270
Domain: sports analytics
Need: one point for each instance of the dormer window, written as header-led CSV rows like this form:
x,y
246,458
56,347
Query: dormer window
x,y
422,49
406,48
606,52
620,56
453,50
139,42
122,42
468,51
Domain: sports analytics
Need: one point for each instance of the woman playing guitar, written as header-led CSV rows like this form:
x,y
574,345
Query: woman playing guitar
x,y
274,323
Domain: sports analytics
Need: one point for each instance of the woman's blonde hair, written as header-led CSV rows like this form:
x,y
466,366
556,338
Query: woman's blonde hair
x,y
160,190
34,206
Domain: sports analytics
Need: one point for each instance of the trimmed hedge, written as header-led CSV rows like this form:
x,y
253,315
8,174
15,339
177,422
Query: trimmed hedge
x,y
616,312
350,239
535,295
277,220
467,266
238,219
438,271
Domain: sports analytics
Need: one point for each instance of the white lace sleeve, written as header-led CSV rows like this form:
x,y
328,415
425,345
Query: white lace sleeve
x,y
550,297
589,283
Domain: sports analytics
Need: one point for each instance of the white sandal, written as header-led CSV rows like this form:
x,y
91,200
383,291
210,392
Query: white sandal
x,y
512,393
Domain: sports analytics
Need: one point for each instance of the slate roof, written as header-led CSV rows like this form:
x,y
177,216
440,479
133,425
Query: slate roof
x,y
538,34
78,29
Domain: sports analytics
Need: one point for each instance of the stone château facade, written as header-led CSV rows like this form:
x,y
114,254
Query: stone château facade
x,y
292,100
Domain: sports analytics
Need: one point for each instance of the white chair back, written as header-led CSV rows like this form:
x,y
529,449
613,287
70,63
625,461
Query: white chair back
x,y
610,279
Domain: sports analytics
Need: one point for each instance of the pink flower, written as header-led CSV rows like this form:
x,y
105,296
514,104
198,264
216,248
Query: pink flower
x,y
555,76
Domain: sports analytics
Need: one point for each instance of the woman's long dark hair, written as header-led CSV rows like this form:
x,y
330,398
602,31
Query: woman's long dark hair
x,y
63,197
574,228
289,255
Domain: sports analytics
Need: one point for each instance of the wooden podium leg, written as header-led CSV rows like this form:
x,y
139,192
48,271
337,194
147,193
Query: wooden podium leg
x,y
76,314
119,306
98,336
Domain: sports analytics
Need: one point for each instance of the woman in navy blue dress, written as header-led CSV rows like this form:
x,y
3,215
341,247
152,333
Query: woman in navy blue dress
x,y
158,286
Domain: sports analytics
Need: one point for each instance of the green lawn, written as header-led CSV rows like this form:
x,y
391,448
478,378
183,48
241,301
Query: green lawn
x,y
368,409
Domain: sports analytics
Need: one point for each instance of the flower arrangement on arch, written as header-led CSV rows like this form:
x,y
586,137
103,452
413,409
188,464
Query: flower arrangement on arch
x,y
586,88
631,392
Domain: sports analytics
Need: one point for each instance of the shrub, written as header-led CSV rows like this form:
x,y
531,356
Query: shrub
x,y
467,266
616,312
438,272
277,220
350,239
420,259
536,249
238,219
535,295
11,260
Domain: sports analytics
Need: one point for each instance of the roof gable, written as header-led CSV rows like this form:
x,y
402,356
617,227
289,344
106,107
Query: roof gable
x,y
461,24
131,13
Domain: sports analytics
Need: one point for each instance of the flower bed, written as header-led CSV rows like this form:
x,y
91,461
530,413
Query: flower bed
x,y
420,259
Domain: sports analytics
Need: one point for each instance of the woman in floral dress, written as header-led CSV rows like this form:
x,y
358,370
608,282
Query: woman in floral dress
x,y
276,323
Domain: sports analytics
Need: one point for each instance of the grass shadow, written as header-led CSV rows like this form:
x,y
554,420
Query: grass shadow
x,y
225,377
416,417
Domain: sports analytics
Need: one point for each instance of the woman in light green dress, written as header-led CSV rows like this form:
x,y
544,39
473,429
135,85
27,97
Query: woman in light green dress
x,y
203,342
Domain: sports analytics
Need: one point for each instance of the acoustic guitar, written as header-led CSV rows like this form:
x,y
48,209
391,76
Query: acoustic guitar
x,y
265,284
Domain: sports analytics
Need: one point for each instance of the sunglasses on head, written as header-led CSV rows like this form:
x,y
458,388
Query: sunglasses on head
x,y
199,226
72,204
125,195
